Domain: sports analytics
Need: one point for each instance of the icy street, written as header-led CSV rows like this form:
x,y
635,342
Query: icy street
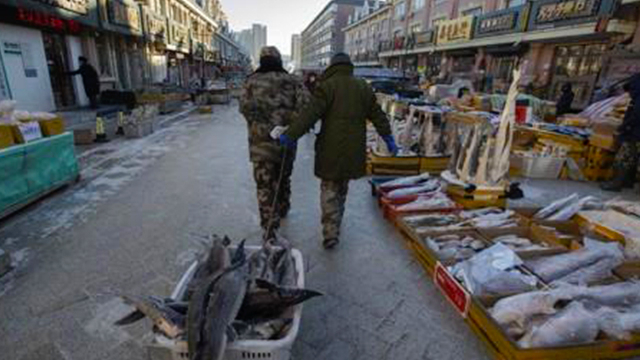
x,y
136,221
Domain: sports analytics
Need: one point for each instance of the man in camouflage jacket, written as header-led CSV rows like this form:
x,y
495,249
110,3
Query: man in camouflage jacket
x,y
271,97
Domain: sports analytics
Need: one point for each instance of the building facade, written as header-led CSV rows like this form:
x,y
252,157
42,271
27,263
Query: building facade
x,y
253,40
324,36
586,43
366,33
131,44
296,51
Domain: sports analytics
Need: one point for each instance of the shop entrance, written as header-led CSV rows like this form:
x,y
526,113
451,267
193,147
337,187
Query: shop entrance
x,y
57,55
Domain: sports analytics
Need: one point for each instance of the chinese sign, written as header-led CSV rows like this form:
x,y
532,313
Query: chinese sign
x,y
77,6
124,14
47,21
497,22
156,26
566,10
452,290
455,30
550,13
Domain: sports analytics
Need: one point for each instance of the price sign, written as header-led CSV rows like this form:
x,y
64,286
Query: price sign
x,y
452,290
30,131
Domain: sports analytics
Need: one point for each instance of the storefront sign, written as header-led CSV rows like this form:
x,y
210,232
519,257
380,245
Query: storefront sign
x,y
179,36
124,14
155,26
47,21
459,29
77,6
452,290
424,38
552,13
500,22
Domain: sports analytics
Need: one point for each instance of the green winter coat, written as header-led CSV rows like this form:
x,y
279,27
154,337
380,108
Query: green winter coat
x,y
344,104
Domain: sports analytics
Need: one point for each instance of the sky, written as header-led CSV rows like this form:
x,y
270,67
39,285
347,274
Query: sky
x,y
282,17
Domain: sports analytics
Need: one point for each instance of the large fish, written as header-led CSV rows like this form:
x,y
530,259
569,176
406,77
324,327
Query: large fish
x,y
267,330
224,304
167,320
217,259
270,300
200,298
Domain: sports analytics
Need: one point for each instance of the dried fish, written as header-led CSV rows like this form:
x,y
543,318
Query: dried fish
x,y
406,181
429,202
454,247
431,220
555,206
427,187
574,325
266,330
270,300
556,267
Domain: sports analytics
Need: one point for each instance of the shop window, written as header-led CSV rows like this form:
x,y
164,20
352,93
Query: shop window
x,y
401,9
473,11
502,67
104,58
579,60
417,5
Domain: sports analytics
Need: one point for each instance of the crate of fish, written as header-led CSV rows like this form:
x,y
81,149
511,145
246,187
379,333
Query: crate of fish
x,y
393,195
437,202
237,303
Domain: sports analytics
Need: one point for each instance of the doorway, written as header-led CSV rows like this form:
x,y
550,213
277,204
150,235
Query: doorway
x,y
56,52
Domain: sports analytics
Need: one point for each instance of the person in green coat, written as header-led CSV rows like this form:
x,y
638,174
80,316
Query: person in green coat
x,y
344,104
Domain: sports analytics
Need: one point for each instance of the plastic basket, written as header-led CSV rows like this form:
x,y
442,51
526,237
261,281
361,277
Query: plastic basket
x,y
163,348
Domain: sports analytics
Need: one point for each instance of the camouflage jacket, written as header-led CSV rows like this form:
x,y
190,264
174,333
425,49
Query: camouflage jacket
x,y
268,100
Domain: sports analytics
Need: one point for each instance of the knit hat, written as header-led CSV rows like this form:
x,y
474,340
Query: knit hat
x,y
270,51
340,58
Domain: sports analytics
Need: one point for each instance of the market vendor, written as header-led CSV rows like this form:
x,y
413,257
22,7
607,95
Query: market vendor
x,y
625,165
344,103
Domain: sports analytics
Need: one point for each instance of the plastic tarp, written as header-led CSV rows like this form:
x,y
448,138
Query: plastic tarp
x,y
30,170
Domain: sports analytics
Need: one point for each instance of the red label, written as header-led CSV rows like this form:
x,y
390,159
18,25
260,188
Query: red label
x,y
452,290
48,21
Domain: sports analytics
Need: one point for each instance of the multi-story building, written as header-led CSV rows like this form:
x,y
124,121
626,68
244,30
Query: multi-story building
x,y
585,43
324,36
296,51
367,31
253,40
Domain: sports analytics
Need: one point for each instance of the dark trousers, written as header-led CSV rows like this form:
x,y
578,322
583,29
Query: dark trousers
x,y
93,100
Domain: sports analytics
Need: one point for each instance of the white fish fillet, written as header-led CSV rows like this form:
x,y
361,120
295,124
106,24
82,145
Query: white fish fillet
x,y
405,181
427,187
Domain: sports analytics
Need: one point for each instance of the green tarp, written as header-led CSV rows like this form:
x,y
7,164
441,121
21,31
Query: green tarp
x,y
30,170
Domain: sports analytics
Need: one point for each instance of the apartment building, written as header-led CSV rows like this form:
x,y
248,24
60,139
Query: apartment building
x,y
296,51
367,30
324,36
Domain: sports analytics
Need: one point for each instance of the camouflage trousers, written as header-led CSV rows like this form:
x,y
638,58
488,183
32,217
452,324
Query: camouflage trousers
x,y
627,156
266,175
333,196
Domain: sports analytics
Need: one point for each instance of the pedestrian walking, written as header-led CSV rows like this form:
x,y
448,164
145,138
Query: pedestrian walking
x,y
271,98
90,80
625,165
344,104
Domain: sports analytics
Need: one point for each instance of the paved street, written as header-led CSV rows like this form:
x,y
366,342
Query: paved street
x,y
135,223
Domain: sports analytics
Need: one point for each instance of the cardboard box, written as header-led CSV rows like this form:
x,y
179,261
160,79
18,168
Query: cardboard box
x,y
6,136
84,136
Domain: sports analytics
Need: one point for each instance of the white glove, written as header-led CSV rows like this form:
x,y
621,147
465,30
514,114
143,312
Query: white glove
x,y
277,131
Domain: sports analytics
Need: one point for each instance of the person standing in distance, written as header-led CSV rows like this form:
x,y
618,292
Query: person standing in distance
x,y
90,80
344,104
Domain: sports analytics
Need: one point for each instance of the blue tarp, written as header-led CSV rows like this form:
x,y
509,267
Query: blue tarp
x,y
30,170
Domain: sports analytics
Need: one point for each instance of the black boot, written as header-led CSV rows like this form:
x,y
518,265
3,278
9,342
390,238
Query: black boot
x,y
621,179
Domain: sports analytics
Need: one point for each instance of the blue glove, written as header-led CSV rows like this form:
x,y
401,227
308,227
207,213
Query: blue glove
x,y
287,142
391,144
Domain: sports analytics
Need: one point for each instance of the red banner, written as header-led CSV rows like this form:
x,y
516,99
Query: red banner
x,y
452,290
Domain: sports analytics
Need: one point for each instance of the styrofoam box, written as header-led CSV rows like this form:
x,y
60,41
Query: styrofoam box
x,y
163,348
